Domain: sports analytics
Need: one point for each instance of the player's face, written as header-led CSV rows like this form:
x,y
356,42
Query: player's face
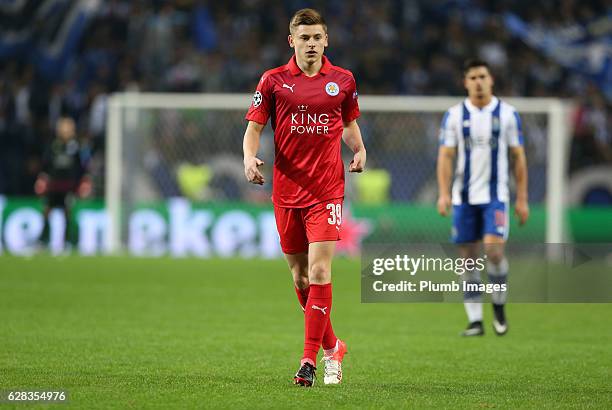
x,y
309,42
478,82
65,128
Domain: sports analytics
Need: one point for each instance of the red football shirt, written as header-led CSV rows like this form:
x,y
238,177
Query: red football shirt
x,y
307,115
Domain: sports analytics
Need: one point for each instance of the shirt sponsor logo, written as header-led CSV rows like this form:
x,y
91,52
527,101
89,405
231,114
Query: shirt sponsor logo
x,y
481,141
332,89
303,122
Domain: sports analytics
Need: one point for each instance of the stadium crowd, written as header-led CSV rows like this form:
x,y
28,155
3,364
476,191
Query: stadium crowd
x,y
392,47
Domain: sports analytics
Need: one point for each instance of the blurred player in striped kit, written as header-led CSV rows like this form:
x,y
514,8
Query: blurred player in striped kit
x,y
481,132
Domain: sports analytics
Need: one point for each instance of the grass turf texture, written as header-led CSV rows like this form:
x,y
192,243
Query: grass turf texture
x,y
134,333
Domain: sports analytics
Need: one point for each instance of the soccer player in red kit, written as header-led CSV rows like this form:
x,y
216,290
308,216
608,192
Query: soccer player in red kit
x,y
312,106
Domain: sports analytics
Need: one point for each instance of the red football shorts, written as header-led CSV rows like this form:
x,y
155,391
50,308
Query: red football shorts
x,y
297,227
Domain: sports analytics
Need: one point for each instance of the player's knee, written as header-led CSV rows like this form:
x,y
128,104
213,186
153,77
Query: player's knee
x,y
495,256
319,273
495,253
300,275
300,281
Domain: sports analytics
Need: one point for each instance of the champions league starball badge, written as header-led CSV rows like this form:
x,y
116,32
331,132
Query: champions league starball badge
x,y
257,99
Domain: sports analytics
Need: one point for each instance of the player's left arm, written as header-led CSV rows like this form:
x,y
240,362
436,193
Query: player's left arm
x,y
42,180
521,208
83,178
517,153
351,136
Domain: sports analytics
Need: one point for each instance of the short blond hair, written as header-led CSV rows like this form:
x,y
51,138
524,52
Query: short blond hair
x,y
307,17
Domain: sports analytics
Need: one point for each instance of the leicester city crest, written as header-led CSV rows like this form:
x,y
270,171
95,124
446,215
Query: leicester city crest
x,y
332,88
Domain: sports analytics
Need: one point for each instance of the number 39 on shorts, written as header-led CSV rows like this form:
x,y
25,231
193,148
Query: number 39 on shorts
x,y
335,212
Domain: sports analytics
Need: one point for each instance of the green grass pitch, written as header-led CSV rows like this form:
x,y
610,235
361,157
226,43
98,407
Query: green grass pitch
x,y
162,333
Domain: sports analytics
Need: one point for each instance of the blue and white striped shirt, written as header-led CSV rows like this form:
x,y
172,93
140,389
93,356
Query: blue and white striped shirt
x,y
482,137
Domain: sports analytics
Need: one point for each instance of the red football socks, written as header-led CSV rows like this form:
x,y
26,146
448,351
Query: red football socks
x,y
317,311
329,337
302,295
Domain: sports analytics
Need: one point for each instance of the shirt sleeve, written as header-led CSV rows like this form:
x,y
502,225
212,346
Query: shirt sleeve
x,y
350,105
261,105
448,133
515,130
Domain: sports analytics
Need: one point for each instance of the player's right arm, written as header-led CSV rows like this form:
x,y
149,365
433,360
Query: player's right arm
x,y
258,115
446,157
42,180
250,146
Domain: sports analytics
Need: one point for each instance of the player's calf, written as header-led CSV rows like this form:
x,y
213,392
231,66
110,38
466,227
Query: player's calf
x,y
498,274
472,301
500,326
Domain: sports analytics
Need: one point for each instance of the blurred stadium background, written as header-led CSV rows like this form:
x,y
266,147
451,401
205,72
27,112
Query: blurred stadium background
x,y
159,90
72,57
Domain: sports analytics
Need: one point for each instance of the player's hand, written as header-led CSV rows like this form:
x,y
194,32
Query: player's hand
x,y
444,203
521,210
358,162
85,188
41,185
251,170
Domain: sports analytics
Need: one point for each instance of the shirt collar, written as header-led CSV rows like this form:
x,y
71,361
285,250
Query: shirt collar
x,y
296,70
489,107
